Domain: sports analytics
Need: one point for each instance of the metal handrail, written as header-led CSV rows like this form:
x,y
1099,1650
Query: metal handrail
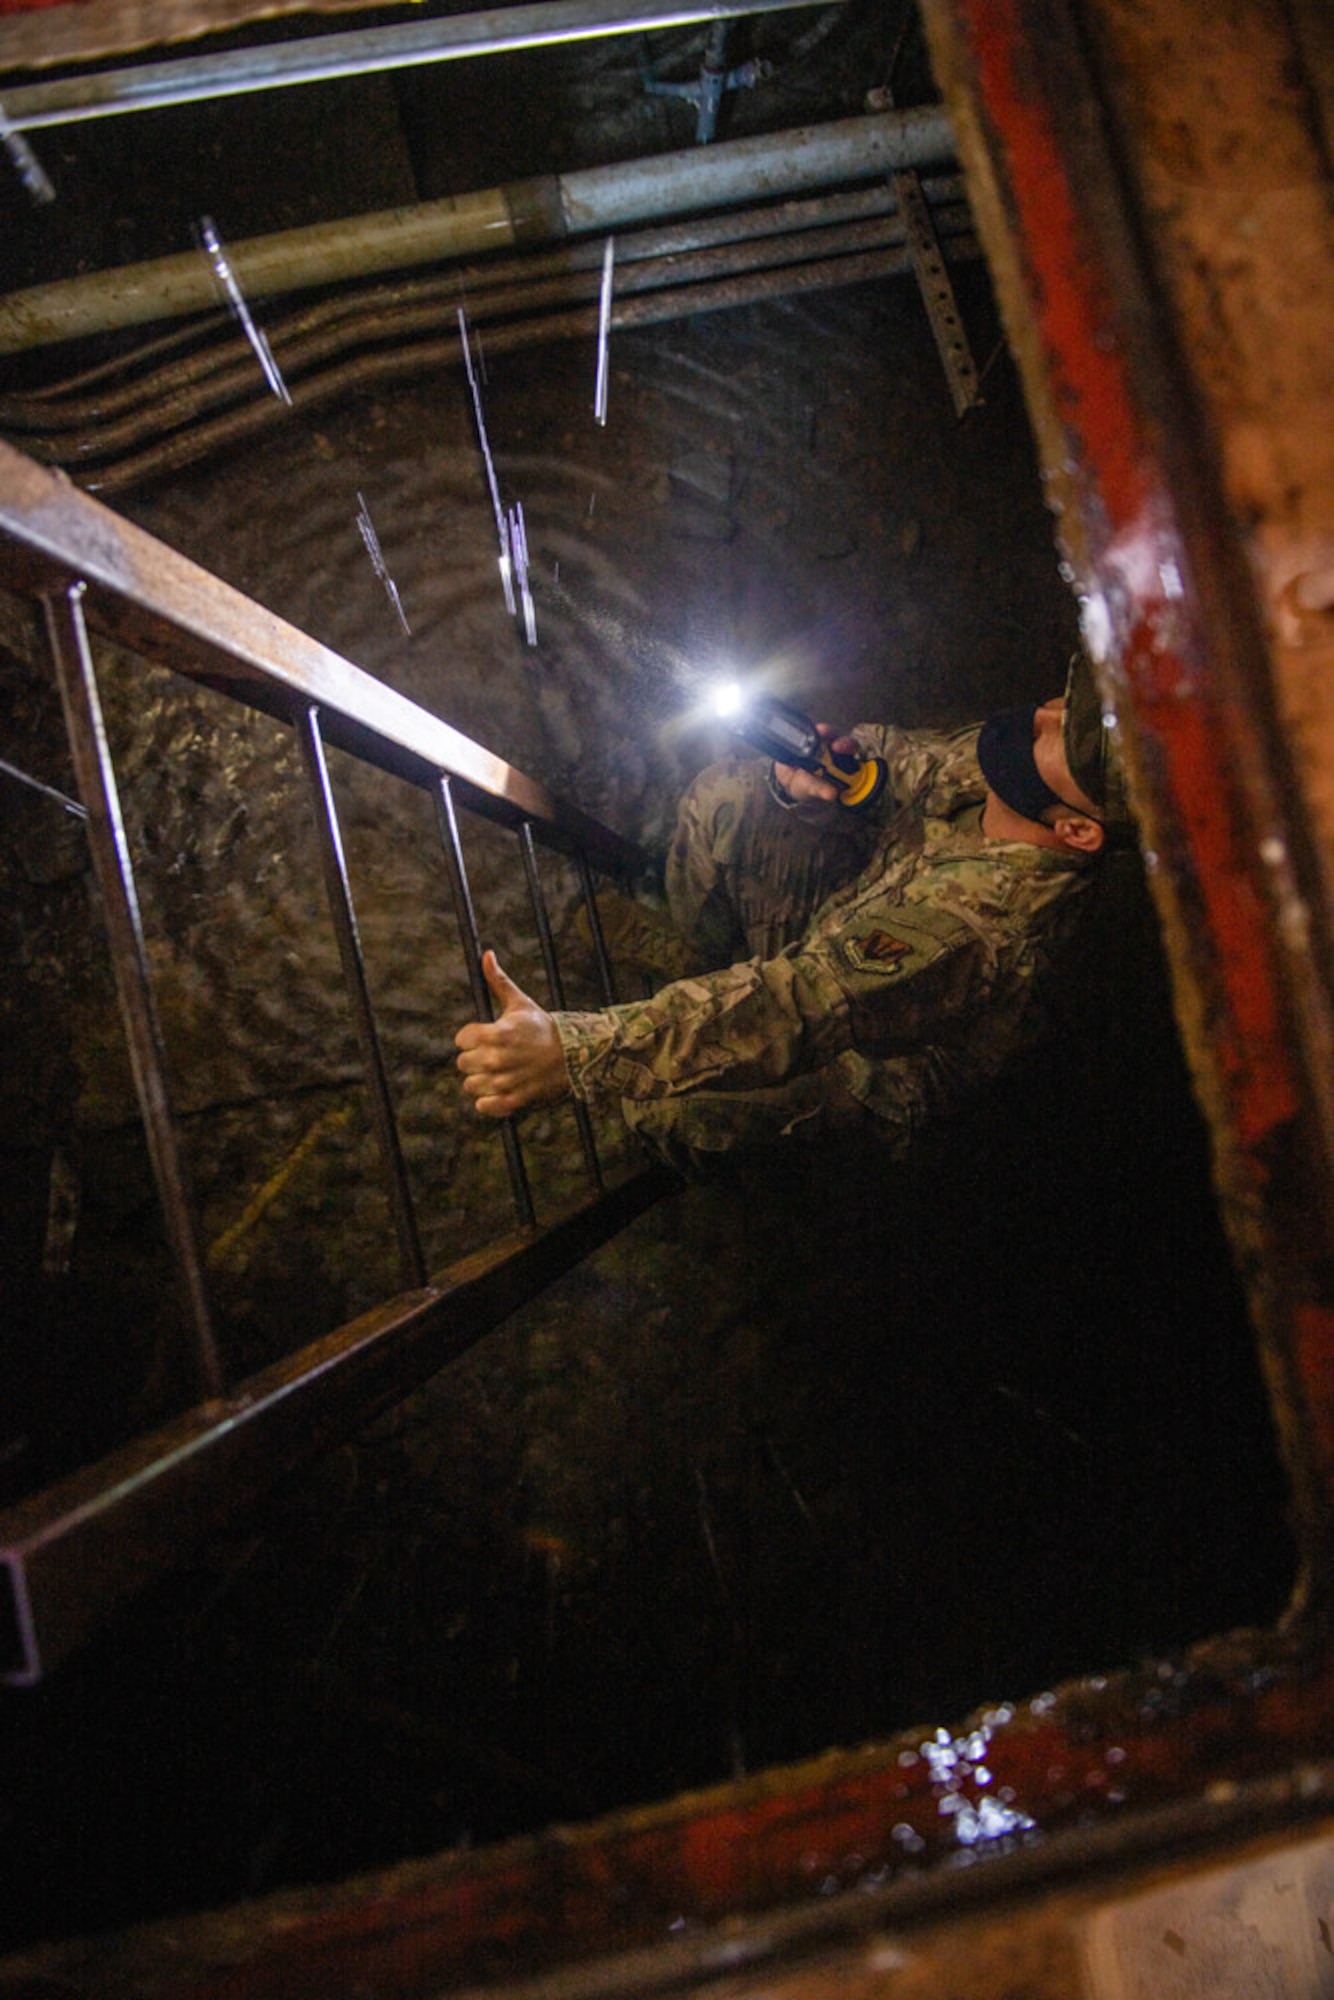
x,y
71,1553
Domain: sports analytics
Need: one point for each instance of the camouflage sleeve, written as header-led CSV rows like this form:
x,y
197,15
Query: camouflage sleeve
x,y
911,756
874,986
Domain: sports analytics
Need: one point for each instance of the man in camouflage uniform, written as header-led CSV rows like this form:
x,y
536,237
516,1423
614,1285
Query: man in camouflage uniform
x,y
869,970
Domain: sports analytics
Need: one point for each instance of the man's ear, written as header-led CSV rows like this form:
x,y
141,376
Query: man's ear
x,y
1080,833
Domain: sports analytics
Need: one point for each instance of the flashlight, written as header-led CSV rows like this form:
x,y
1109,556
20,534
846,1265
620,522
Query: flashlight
x,y
778,730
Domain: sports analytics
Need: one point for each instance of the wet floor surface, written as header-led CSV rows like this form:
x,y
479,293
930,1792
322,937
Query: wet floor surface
x,y
809,1454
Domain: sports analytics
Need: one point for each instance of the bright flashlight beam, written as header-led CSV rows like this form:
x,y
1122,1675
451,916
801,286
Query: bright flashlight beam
x,y
728,699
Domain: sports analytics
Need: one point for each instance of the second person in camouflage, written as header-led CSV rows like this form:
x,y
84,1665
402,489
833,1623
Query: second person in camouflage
x,y
880,967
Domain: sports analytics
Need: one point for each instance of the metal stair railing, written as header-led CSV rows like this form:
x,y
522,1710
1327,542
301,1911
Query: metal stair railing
x,y
74,1551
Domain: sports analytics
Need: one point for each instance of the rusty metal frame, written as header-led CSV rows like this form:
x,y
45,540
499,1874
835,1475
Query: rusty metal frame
x,y
69,1554
1132,439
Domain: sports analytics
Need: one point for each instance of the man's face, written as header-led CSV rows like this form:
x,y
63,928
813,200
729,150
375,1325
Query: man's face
x,y
1049,756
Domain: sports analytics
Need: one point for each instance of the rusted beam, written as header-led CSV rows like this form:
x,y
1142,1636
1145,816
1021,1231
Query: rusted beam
x,y
70,1554
1112,288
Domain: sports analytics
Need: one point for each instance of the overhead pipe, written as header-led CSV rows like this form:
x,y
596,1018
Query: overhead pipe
x,y
593,200
169,398
324,58
99,425
167,454
196,355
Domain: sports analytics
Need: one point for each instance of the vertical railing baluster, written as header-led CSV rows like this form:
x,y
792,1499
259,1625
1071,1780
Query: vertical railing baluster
x,y
339,891
114,870
555,984
600,958
471,939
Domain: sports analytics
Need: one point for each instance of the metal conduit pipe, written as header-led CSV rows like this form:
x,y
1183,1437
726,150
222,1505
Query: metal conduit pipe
x,y
186,447
302,336
111,383
592,200
318,58
173,397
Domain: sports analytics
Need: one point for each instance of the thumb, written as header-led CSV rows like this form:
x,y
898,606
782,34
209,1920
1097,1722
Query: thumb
x,y
502,986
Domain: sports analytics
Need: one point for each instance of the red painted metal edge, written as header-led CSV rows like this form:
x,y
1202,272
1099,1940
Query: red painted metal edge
x,y
1172,620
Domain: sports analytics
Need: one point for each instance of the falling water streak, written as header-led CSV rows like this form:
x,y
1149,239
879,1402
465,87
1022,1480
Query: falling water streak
x,y
604,326
1043,1416
519,544
706,1527
797,1497
378,563
49,791
502,525
222,271
552,1558
25,162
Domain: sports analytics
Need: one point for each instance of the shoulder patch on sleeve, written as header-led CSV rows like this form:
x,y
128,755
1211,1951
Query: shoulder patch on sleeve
x,y
876,951
910,939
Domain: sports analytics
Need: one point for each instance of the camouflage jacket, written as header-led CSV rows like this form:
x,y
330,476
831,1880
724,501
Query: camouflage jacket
x,y
917,979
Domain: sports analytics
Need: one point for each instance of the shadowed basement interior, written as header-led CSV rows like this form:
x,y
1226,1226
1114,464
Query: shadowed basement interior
x,y
814,1451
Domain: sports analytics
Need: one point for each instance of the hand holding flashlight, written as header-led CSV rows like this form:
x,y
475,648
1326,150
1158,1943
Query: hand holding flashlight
x,y
805,785
795,743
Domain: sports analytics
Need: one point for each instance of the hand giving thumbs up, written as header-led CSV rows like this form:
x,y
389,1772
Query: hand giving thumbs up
x,y
516,1059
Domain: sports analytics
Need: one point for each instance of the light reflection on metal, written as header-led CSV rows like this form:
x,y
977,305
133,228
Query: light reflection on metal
x,y
604,327
959,1777
316,59
113,867
470,937
378,563
48,791
502,525
338,888
226,277
25,162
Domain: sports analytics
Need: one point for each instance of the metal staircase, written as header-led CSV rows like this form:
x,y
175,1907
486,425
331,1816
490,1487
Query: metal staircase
x,y
72,1552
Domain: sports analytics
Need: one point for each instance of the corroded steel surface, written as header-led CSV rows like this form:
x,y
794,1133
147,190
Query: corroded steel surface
x,y
1132,323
